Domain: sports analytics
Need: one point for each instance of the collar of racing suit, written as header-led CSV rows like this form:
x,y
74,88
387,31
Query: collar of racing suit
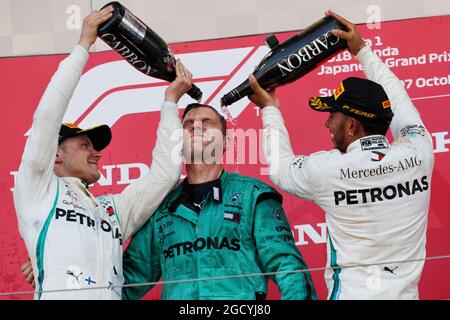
x,y
215,190
79,185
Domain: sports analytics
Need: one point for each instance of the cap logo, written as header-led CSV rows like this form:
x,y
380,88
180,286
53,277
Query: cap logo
x,y
318,104
359,112
386,104
339,91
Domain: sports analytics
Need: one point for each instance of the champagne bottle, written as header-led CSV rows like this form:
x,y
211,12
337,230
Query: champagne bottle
x,y
140,46
290,60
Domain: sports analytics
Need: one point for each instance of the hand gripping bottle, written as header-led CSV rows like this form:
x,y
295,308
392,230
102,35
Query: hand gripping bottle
x,y
140,46
290,60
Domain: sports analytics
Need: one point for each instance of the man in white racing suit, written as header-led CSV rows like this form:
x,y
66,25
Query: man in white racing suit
x,y
74,240
375,195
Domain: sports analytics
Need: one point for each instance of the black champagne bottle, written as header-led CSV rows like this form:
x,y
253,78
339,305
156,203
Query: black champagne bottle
x,y
290,60
140,46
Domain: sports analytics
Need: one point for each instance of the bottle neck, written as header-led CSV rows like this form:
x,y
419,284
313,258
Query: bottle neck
x,y
236,94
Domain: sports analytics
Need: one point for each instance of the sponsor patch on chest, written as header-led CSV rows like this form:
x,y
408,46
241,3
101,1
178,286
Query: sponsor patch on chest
x,y
232,216
374,143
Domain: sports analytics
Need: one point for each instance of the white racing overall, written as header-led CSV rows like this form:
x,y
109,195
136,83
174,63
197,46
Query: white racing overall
x,y
74,240
375,196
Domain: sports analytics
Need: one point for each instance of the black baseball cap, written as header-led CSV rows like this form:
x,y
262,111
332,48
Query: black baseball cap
x,y
100,136
361,99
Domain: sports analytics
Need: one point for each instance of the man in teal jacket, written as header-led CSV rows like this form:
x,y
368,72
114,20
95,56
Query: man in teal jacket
x,y
217,226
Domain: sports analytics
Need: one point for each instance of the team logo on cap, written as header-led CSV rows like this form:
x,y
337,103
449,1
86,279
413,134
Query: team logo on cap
x,y
339,91
386,104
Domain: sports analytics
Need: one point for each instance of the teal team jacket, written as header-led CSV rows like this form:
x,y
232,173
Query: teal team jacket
x,y
243,230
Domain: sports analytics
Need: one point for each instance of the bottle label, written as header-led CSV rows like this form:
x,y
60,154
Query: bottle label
x,y
307,53
127,53
132,24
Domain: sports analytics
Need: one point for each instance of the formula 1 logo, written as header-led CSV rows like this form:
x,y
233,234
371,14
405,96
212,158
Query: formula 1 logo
x,y
115,89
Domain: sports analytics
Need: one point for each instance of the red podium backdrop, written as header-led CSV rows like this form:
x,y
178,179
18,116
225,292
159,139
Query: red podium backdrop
x,y
112,92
